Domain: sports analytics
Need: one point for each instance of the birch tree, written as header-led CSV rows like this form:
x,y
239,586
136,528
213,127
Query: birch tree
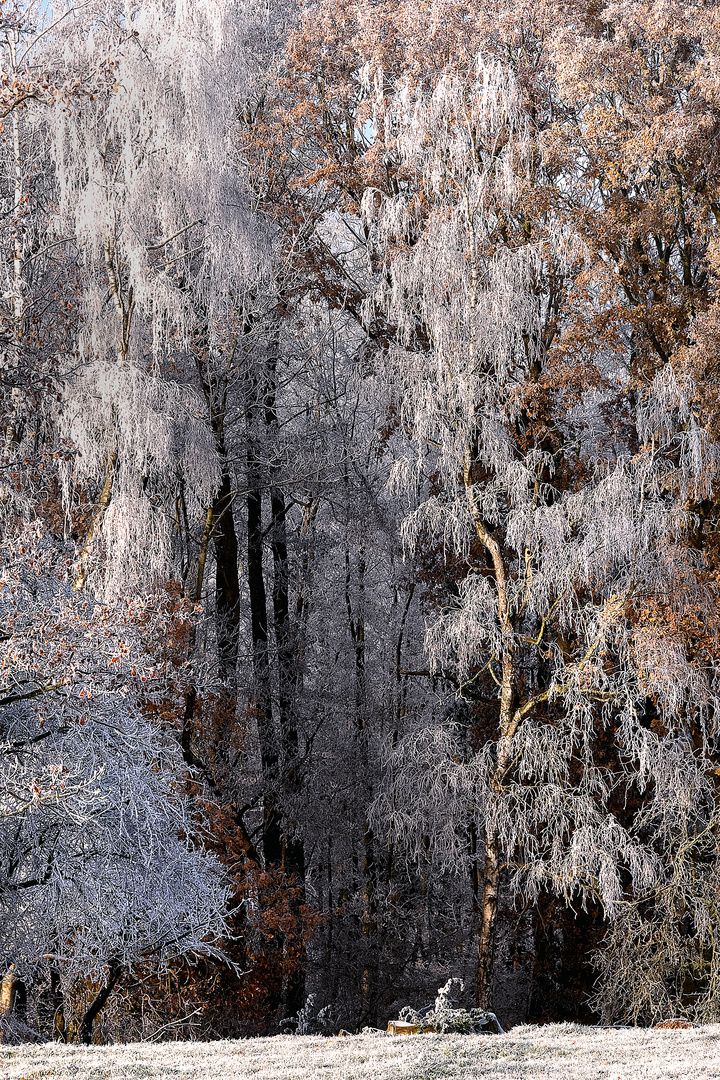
x,y
145,182
558,573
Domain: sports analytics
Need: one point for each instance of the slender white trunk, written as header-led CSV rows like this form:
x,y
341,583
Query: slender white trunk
x,y
12,428
18,198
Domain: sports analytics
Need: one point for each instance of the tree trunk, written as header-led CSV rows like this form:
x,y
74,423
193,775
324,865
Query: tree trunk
x,y
293,858
356,625
85,1031
293,855
508,722
227,584
191,693
57,1003
281,618
272,823
7,991
488,923
221,519
369,925
474,871
104,502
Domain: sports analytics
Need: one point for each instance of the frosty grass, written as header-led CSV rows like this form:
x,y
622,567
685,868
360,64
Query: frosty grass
x,y
566,1051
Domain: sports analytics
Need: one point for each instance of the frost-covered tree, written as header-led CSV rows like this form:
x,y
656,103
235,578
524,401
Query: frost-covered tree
x,y
39,274
101,861
568,537
174,298
146,184
239,281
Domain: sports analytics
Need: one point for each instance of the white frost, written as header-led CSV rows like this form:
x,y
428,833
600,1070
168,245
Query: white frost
x,y
557,1052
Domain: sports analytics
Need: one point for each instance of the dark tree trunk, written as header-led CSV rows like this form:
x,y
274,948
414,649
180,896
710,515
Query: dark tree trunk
x,y
356,623
57,1003
281,616
222,520
86,1027
563,977
227,584
293,852
272,822
293,857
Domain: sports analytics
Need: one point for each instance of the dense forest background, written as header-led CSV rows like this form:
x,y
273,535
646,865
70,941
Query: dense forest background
x,y
359,368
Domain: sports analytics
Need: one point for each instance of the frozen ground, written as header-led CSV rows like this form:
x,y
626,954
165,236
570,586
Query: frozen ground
x,y
558,1052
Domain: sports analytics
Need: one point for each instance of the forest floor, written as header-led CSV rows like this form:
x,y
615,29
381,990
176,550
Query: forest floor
x,y
556,1052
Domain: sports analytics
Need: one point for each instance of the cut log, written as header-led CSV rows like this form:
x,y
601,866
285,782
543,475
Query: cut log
x,y
404,1027
7,991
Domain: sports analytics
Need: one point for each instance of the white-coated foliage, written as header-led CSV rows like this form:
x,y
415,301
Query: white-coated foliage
x,y
553,575
100,854
147,164
148,188
149,434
